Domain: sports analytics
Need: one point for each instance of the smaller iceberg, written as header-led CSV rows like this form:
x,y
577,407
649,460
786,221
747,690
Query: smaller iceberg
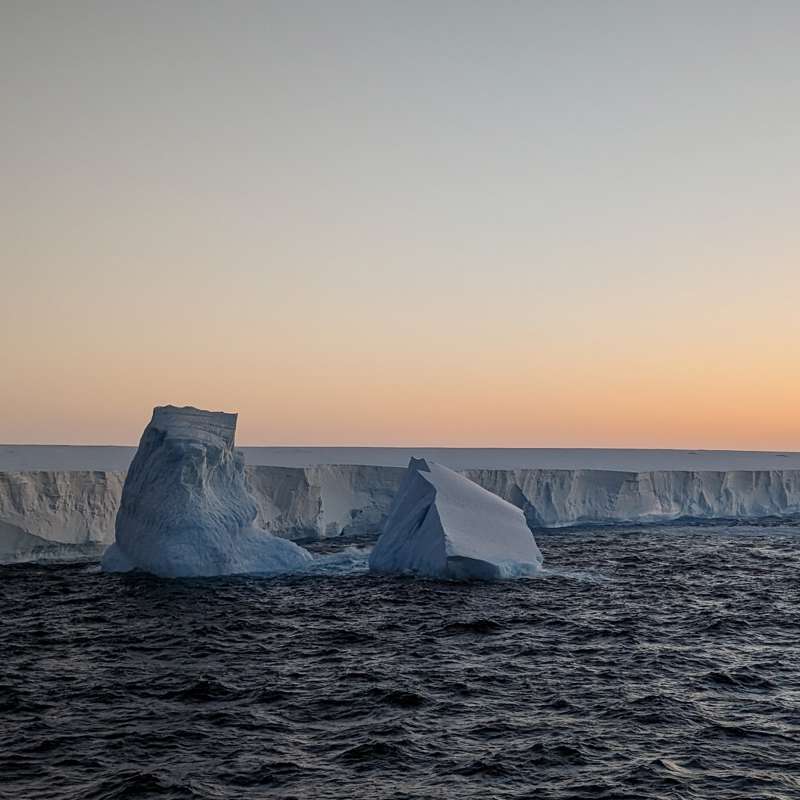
x,y
185,510
442,525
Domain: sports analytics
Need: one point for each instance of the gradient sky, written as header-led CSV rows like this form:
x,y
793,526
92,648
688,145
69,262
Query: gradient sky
x,y
468,223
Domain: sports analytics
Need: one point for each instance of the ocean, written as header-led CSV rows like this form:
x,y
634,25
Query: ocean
x,y
645,662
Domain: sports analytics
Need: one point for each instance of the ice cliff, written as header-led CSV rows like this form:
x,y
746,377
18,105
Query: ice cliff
x,y
558,498
185,509
55,513
443,525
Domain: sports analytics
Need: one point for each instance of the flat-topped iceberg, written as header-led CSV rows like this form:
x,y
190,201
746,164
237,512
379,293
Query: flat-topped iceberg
x,y
442,525
185,510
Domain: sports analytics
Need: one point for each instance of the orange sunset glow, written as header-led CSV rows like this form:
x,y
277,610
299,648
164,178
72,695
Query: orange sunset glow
x,y
576,240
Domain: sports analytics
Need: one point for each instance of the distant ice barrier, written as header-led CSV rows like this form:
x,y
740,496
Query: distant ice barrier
x,y
559,498
63,514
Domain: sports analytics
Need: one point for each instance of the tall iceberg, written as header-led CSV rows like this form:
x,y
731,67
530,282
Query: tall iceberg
x,y
442,525
185,510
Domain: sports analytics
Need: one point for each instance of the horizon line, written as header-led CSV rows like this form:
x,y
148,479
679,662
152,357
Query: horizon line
x,y
689,450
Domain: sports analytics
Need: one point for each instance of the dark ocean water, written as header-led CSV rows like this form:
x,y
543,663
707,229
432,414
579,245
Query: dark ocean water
x,y
656,663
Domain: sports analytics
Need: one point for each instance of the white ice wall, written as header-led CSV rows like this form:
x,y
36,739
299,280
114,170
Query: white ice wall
x,y
556,498
54,513
72,513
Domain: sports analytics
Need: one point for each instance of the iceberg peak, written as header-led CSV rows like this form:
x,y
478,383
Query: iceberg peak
x,y
187,422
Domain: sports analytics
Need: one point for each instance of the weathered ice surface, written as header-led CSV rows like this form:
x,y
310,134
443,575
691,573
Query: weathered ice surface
x,y
324,501
57,514
557,498
442,525
185,510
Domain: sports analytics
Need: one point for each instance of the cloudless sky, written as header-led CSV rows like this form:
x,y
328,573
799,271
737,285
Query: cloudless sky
x,y
444,223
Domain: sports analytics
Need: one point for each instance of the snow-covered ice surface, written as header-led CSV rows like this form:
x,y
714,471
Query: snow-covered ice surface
x,y
185,510
23,457
442,525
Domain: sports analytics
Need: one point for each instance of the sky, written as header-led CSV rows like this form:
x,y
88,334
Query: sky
x,y
523,224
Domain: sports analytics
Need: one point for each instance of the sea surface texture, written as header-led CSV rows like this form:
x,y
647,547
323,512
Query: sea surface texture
x,y
655,662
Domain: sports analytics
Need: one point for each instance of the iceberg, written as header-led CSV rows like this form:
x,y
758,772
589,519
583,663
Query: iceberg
x,y
185,510
442,525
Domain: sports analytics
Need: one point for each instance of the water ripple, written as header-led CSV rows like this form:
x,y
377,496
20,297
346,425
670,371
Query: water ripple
x,y
656,663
